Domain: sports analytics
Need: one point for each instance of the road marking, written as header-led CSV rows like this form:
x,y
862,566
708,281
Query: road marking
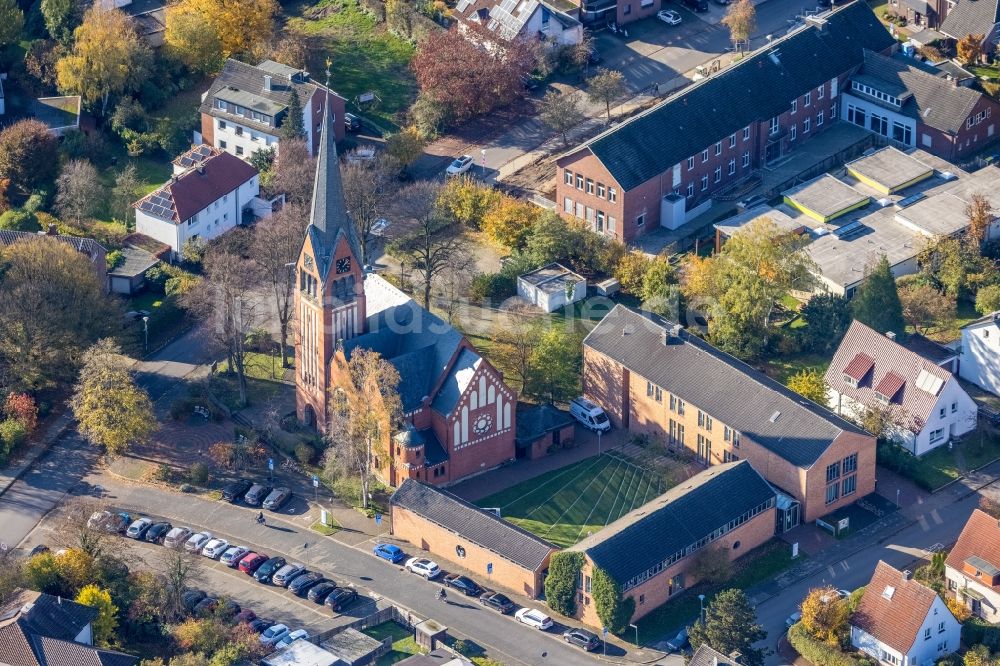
x,y
924,525
936,516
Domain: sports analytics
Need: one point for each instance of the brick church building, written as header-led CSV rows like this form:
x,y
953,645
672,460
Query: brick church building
x,y
459,414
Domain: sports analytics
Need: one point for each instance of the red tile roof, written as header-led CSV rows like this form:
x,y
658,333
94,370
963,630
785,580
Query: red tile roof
x,y
859,367
893,608
890,385
181,197
980,538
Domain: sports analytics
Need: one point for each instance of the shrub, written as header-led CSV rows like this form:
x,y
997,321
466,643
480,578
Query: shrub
x,y
114,259
187,488
19,220
198,473
21,407
615,613
181,408
12,433
305,453
492,287
34,203
817,652
560,584
958,609
977,631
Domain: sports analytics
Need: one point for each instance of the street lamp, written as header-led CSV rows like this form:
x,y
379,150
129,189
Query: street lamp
x,y
701,612
145,331
599,441
897,498
483,152
636,627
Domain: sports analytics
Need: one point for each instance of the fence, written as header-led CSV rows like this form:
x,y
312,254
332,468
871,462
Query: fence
x,y
400,615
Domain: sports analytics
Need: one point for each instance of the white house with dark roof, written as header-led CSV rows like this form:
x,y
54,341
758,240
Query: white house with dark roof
x,y
924,401
244,108
979,353
524,19
551,287
901,622
205,200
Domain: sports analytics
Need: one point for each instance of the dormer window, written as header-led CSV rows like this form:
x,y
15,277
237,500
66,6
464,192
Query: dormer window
x,y
850,381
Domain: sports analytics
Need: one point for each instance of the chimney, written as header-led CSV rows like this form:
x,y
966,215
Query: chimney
x,y
201,167
267,83
59,599
715,661
907,574
665,337
736,656
890,335
52,230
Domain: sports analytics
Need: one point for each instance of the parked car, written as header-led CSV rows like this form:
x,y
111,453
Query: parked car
x,y
284,575
190,598
301,584
215,548
292,637
235,490
265,572
533,618
390,552
352,123
206,606
341,598
696,5
138,528
669,16
227,608
277,498
231,558
590,415
106,521
423,567
38,550
793,619
157,532
196,542
251,562
680,642
722,2
256,494
260,625
459,166
582,638
273,634
320,591
177,537
498,602
464,584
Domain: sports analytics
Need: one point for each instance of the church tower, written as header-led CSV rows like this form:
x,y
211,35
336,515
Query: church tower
x,y
330,289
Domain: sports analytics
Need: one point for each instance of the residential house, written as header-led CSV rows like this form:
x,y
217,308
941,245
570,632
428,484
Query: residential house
x,y
923,401
973,566
908,102
204,201
39,629
927,14
974,17
596,14
149,17
456,531
128,277
885,203
901,622
649,551
653,377
550,21
551,287
244,108
663,166
460,415
979,353
90,248
59,114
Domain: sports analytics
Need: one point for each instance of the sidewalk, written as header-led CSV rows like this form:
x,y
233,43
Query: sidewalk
x,y
38,444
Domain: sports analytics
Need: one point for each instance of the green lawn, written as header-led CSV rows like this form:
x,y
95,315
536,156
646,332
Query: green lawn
x,y
364,57
567,504
166,320
263,366
965,311
403,645
783,367
757,566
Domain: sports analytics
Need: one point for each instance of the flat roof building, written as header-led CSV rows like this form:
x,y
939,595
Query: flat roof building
x,y
825,198
889,170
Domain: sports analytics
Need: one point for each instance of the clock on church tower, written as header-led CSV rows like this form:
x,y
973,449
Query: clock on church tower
x,y
343,265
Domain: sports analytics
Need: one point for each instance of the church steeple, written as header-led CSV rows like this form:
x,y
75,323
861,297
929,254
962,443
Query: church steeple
x,y
328,219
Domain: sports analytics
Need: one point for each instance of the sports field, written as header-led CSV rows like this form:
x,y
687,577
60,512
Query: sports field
x,y
565,505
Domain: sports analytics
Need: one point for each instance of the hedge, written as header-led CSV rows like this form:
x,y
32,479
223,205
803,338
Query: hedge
x,y
978,631
817,652
560,584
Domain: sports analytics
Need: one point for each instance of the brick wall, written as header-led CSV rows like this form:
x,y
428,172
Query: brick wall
x,y
971,140
603,384
207,129
848,443
633,10
595,179
655,591
441,544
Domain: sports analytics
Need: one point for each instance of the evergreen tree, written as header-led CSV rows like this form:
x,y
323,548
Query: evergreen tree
x,y
827,318
877,302
292,127
730,625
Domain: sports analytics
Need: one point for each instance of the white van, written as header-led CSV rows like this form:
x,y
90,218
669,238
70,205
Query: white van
x,y
590,415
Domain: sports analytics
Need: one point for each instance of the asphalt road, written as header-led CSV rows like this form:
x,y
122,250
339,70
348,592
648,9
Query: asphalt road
x,y
65,464
290,537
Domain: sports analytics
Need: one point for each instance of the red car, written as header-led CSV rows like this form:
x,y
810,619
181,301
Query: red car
x,y
251,562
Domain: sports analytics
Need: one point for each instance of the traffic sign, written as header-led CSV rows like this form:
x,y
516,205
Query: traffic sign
x,y
378,518
270,463
489,567
604,630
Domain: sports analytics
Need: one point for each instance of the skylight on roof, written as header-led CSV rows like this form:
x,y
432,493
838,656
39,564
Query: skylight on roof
x,y
888,591
774,417
928,382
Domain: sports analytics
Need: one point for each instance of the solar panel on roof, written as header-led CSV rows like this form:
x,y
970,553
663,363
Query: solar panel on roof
x,y
909,201
929,383
849,230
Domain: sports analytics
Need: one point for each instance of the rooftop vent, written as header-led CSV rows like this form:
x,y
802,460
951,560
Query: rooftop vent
x,y
888,591
774,56
267,83
948,175
774,417
907,574
890,335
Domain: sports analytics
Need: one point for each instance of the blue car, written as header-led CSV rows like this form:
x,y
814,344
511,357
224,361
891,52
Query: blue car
x,y
388,551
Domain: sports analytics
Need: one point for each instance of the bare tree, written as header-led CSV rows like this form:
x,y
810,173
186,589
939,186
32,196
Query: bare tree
x,y
179,568
128,188
72,530
562,112
79,191
434,245
605,87
364,411
294,172
367,189
453,283
227,299
276,244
